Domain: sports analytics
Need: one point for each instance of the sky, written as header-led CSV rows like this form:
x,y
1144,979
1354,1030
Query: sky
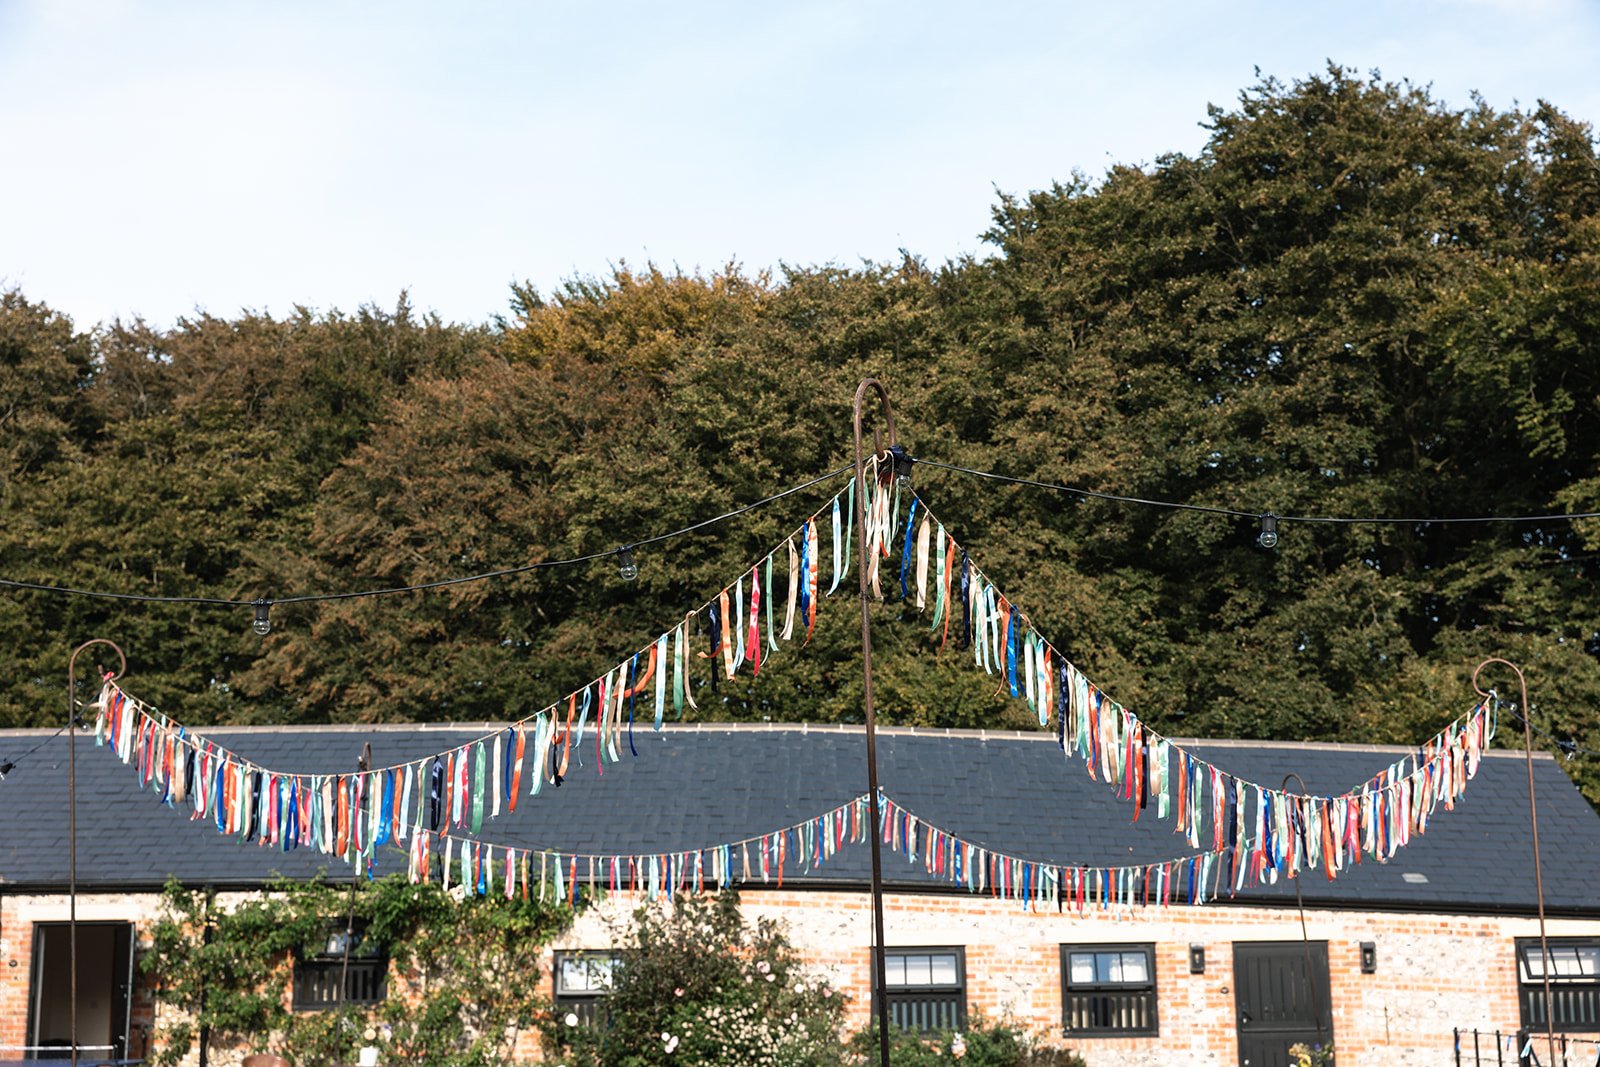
x,y
163,159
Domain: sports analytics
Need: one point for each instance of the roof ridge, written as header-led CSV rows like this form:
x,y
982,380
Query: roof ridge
x,y
981,734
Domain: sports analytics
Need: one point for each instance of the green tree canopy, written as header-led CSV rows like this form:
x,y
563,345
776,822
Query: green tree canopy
x,y
1354,300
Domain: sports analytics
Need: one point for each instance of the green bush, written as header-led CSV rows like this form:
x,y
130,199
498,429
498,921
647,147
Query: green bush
x,y
698,985
982,1044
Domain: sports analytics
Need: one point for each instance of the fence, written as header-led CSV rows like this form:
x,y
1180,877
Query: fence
x,y
1480,1048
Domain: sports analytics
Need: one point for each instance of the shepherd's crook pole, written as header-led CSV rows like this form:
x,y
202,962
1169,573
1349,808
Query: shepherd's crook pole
x,y
1533,819
72,828
879,990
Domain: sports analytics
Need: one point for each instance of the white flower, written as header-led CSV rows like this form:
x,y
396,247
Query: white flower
x,y
800,987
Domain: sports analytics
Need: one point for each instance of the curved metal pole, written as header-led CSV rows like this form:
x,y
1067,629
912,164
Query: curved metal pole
x,y
1305,937
72,826
1533,819
879,989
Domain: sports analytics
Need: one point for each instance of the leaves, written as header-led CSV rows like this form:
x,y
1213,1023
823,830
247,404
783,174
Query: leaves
x,y
1353,301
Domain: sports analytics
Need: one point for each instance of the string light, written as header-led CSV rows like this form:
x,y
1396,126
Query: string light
x,y
262,620
627,566
262,624
1268,537
1236,513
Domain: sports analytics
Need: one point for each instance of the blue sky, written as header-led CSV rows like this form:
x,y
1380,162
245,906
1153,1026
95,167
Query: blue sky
x,y
163,158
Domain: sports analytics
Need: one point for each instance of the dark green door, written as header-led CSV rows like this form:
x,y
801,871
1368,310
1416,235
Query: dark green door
x,y
1280,1000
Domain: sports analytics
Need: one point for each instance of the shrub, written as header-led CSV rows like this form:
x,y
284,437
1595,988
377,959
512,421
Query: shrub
x,y
982,1044
700,986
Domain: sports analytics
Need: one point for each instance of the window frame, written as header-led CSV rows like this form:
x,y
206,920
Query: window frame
x,y
588,1006
1151,987
907,993
1530,987
329,965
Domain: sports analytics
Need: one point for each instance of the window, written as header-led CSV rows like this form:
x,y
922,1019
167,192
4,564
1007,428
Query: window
x,y
318,969
582,983
1109,989
926,988
1574,983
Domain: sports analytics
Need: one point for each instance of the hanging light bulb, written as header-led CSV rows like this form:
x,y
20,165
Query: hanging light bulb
x,y
262,625
627,567
1268,537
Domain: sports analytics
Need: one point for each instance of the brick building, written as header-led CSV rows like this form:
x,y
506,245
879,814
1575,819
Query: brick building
x,y
1396,957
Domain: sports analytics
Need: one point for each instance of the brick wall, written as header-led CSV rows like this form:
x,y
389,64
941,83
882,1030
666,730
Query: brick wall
x,y
1434,972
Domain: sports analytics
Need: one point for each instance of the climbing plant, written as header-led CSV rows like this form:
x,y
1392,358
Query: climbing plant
x,y
463,983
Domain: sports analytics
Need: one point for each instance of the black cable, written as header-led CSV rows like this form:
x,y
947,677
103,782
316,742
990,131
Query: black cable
x,y
9,765
441,583
1235,513
1567,747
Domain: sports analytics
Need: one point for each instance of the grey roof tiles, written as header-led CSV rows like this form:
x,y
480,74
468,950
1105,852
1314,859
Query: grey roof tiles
x,y
701,785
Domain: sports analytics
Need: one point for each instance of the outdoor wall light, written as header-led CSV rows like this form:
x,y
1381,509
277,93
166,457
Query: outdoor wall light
x,y
1369,957
1197,959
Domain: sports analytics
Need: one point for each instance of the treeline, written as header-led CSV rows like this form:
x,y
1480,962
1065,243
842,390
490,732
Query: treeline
x,y
1354,301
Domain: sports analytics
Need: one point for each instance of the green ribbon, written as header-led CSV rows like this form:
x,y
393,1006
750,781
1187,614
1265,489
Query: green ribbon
x,y
479,781
677,666
772,641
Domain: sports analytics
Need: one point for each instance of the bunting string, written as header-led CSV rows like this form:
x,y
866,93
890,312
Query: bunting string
x,y
1257,833
457,788
1141,765
474,865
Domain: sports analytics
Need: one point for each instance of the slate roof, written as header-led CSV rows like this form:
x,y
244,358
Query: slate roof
x,y
700,785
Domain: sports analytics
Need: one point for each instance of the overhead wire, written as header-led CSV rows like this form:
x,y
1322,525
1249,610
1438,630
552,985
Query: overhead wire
x,y
441,583
1237,513
1566,746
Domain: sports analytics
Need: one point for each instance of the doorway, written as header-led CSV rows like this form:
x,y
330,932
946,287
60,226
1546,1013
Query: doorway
x,y
1279,1001
105,983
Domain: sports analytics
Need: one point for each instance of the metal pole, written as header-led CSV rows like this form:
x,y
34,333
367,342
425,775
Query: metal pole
x,y
1533,819
363,765
72,828
1299,902
879,990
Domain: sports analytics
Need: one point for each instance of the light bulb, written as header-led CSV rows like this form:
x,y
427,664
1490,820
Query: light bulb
x,y
627,567
1268,537
262,625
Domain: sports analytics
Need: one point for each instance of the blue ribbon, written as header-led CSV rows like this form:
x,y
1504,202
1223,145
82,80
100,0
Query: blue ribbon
x,y
385,811
508,763
633,674
1011,649
905,549
805,571
435,793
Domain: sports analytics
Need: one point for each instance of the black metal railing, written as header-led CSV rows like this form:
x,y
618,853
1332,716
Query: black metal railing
x,y
1522,1048
316,983
923,1010
1132,1012
1577,1007
591,1011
